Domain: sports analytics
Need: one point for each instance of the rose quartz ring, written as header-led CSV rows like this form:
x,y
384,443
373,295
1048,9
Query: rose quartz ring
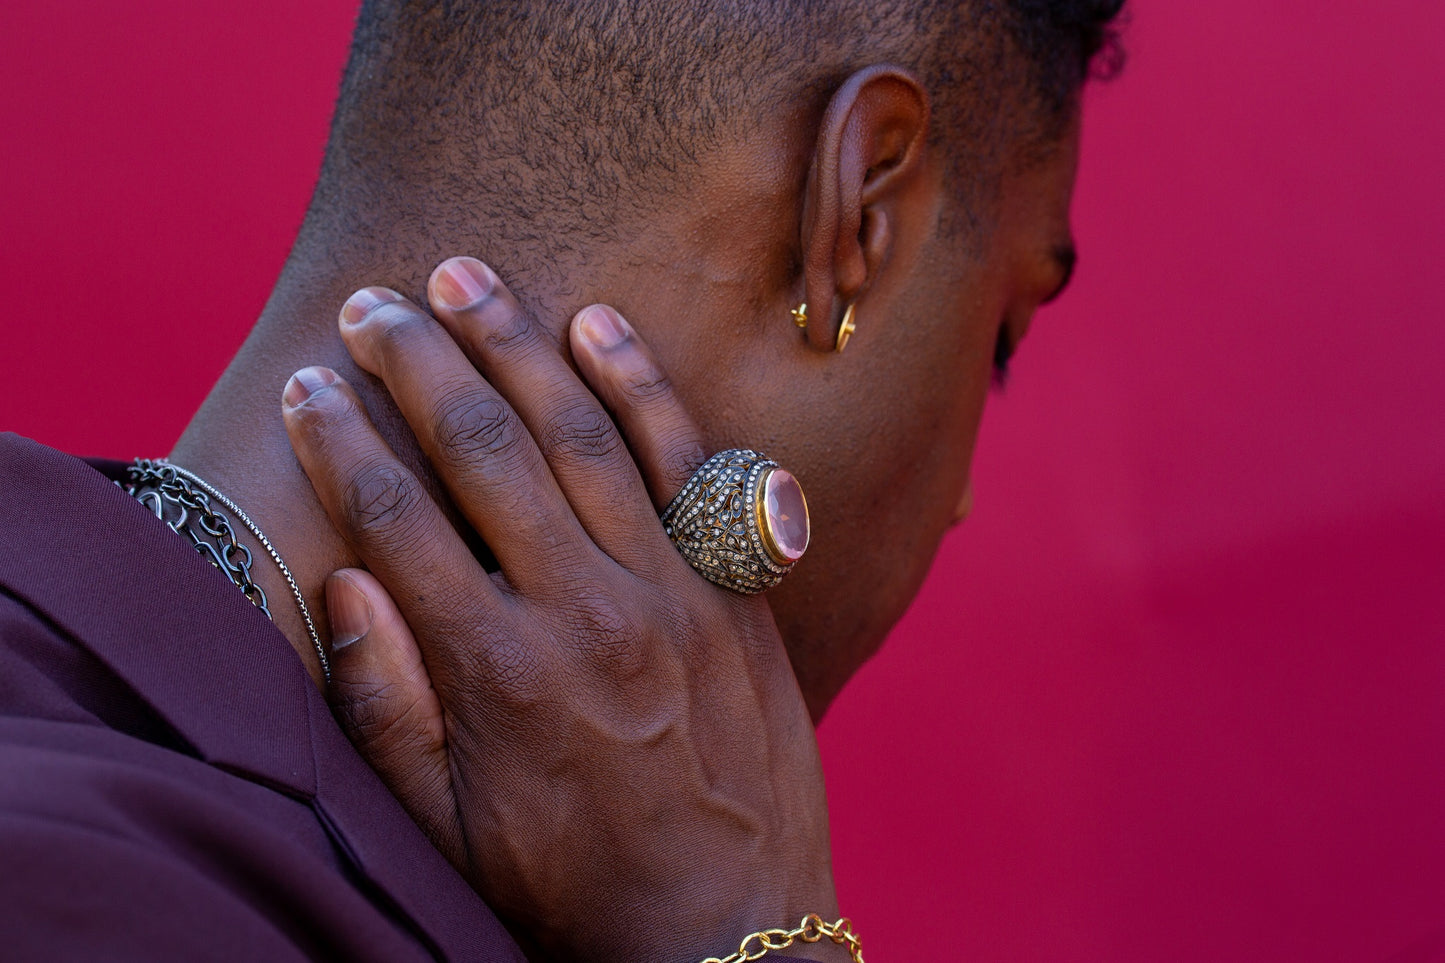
x,y
740,520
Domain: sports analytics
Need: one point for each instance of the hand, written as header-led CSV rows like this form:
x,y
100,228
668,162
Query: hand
x,y
612,750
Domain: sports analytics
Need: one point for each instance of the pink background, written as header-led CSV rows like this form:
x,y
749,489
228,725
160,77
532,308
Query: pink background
x,y
1178,690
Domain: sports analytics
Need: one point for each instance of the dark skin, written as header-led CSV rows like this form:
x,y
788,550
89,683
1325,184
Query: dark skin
x,y
518,713
453,692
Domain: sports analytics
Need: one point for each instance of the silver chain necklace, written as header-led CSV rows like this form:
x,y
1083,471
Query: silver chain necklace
x,y
175,494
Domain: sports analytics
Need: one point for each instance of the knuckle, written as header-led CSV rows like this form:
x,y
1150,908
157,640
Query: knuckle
x,y
507,333
682,458
583,432
700,621
603,632
473,425
650,385
379,498
512,675
385,721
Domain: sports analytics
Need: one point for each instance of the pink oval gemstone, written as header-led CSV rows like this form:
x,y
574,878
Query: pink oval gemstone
x,y
786,513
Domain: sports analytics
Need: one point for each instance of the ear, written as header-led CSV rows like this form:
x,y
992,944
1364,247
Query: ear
x,y
870,147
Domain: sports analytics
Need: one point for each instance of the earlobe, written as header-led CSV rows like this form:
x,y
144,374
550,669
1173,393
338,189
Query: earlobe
x,y
870,146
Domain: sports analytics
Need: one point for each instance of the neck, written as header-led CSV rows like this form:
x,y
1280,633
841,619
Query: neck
x,y
267,484
238,443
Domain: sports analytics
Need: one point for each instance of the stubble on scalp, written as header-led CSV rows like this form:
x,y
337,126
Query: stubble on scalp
x,y
569,122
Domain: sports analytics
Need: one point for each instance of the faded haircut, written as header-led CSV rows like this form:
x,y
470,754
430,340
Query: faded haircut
x,y
588,111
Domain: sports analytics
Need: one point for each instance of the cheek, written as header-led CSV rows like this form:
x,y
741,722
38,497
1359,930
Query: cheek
x,y
928,469
881,438
881,518
875,540
935,418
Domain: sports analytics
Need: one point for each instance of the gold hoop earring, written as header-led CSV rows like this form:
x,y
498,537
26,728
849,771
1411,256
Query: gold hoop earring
x,y
845,330
800,315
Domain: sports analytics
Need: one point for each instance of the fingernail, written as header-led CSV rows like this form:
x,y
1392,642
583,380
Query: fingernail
x,y
349,611
363,302
305,383
463,281
603,326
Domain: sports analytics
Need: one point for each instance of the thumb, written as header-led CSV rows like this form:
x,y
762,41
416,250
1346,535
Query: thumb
x,y
382,696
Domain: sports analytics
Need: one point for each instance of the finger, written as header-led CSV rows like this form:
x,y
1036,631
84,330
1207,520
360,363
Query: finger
x,y
587,455
380,507
382,696
628,378
480,449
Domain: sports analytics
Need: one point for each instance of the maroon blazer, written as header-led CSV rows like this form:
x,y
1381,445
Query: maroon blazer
x,y
172,786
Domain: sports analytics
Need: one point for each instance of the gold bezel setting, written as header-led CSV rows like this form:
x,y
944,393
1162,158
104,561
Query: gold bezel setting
x,y
765,525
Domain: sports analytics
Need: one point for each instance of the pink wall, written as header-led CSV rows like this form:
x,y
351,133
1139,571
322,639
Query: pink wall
x,y
1177,691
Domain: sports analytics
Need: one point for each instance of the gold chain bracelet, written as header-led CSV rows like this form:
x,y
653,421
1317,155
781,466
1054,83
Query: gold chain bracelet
x,y
811,930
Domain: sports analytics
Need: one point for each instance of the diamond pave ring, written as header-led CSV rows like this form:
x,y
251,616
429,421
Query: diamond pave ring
x,y
740,520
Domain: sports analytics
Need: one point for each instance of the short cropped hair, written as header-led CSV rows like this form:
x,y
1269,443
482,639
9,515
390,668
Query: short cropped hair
x,y
589,110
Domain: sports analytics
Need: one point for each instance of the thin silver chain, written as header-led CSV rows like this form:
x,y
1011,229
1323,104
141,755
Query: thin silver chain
x,y
255,530
188,512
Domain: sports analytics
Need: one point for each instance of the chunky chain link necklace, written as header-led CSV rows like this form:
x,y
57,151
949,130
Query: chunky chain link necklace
x,y
183,500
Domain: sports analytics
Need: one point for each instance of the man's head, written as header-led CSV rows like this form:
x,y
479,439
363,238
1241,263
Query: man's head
x,y
706,166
